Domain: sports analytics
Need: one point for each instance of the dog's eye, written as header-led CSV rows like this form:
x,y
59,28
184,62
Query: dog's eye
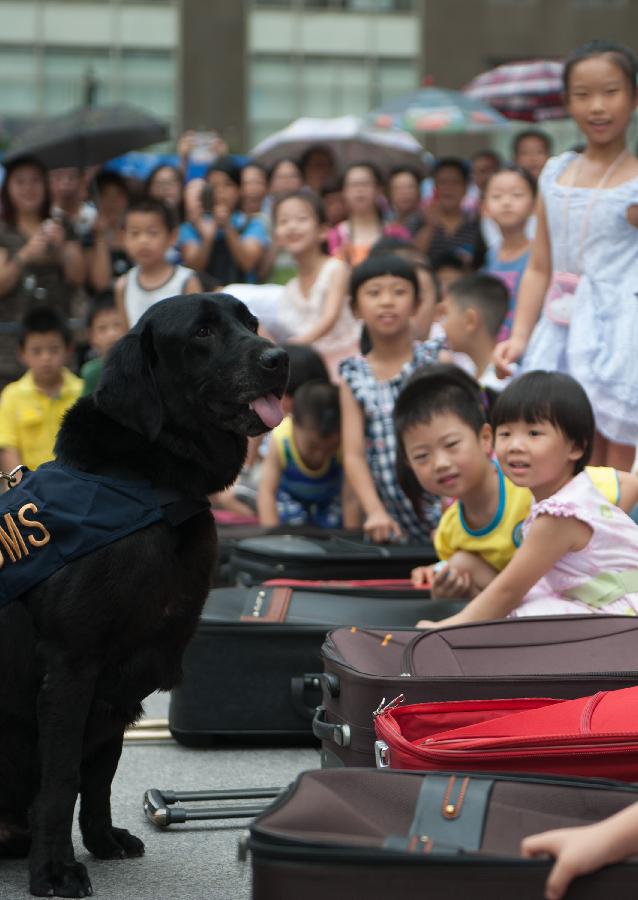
x,y
204,331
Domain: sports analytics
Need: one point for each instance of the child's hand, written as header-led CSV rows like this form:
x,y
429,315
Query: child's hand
x,y
426,624
506,353
421,575
381,527
448,584
577,852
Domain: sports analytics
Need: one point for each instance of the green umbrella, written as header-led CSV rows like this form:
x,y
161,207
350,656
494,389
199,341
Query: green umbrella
x,y
439,111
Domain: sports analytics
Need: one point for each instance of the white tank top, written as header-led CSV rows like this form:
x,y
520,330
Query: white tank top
x,y
137,299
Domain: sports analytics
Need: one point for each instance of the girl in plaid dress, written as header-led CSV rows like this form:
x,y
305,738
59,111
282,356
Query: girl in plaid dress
x,y
384,293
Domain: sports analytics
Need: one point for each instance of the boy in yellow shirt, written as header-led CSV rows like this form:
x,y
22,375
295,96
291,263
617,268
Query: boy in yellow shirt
x,y
31,408
444,445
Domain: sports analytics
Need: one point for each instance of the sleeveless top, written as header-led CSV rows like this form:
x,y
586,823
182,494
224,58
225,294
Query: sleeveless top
x,y
137,299
310,487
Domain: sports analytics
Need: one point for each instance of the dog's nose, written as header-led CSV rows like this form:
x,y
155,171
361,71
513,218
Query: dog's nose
x,y
274,358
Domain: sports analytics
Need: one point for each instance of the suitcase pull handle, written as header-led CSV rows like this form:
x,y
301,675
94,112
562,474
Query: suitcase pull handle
x,y
299,685
325,731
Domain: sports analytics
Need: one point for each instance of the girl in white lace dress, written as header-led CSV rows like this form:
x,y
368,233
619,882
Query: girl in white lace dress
x,y
578,301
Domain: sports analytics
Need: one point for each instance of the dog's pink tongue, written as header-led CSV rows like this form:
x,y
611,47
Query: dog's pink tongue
x,y
268,409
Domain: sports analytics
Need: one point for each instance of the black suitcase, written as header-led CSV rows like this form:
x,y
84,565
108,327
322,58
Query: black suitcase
x,y
548,656
255,560
229,536
360,833
253,667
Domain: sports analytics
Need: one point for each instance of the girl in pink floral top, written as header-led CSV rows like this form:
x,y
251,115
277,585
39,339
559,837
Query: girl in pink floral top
x,y
579,553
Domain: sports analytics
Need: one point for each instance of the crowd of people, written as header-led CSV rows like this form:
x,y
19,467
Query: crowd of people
x,y
417,314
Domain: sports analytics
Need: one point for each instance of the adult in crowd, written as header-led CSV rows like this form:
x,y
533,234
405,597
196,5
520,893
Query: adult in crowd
x,y
41,260
448,226
107,257
531,149
318,165
254,188
404,194
166,183
352,239
284,176
67,187
220,241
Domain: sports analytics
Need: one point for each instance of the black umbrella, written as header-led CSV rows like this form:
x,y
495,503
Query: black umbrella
x,y
87,136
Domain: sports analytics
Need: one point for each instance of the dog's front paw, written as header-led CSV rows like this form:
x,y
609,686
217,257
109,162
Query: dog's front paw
x,y
113,843
57,879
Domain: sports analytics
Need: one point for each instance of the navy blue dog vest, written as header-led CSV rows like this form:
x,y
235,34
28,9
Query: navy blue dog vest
x,y
57,514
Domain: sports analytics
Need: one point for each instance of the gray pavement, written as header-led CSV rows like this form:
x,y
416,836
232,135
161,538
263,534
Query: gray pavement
x,y
195,861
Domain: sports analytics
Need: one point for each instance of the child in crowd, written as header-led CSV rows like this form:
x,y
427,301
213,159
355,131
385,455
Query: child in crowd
x,y
301,479
313,307
429,290
475,308
31,409
444,444
105,326
149,233
509,202
485,163
333,201
448,267
351,240
384,292
576,310
531,149
305,365
579,551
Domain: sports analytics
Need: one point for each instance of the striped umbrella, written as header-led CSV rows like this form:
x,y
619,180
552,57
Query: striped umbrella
x,y
529,91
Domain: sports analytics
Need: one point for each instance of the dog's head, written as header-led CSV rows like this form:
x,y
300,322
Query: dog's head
x,y
194,362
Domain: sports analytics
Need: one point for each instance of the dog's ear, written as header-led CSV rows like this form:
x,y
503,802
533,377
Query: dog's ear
x,y
127,391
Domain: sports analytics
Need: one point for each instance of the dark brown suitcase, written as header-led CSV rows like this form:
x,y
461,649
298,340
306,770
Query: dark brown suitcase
x,y
360,833
549,656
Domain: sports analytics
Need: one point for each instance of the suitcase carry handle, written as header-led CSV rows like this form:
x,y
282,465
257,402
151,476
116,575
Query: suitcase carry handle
x,y
299,684
331,684
326,731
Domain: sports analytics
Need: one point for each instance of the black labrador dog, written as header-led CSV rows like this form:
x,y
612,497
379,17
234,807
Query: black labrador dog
x,y
179,395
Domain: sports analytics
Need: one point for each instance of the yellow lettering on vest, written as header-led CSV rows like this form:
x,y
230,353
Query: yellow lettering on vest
x,y
1,560
33,523
12,540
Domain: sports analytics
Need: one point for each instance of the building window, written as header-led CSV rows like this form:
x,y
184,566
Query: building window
x,y
18,82
283,88
67,74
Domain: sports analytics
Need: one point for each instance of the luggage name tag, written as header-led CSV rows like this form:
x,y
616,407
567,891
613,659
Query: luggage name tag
x,y
559,300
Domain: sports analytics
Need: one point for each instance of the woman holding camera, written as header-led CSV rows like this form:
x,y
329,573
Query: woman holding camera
x,y
219,241
40,261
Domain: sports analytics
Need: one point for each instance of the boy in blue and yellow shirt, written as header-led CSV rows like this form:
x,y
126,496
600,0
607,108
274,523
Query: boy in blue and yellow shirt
x,y
445,446
31,408
301,481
